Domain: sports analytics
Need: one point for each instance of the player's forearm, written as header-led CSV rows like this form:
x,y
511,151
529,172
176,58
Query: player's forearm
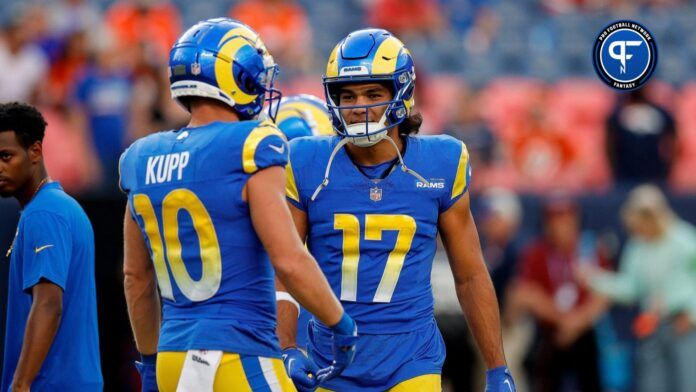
x,y
144,312
480,306
42,326
287,324
287,314
303,279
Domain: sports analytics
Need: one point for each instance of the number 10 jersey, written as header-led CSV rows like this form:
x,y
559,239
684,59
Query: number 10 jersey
x,y
185,192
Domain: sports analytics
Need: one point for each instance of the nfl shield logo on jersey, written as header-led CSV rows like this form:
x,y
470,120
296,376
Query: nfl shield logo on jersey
x,y
375,194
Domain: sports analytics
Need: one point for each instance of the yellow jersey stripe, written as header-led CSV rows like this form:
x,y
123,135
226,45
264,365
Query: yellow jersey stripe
x,y
290,185
252,141
460,179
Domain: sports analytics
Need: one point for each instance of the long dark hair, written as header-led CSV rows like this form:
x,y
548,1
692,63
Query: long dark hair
x,y
411,124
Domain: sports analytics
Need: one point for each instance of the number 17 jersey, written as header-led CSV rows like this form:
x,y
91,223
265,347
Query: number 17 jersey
x,y
185,192
375,241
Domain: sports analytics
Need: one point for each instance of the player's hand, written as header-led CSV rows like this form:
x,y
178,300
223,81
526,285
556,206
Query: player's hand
x,y
147,368
345,337
302,370
499,380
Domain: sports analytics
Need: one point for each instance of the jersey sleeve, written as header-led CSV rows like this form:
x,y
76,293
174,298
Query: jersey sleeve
x,y
265,146
292,193
124,173
299,154
460,174
46,249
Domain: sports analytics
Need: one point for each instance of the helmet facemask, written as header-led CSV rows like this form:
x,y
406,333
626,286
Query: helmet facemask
x,y
366,133
259,80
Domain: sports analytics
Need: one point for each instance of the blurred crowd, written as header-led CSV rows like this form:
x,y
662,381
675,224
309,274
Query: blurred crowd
x,y
513,80
580,311
97,69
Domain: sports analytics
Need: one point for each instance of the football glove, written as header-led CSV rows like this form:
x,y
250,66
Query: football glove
x,y
147,368
302,370
499,380
345,337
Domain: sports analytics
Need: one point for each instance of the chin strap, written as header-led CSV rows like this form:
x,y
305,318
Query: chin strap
x,y
403,165
325,182
345,141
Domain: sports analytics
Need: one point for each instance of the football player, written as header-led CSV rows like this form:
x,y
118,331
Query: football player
x,y
205,213
370,203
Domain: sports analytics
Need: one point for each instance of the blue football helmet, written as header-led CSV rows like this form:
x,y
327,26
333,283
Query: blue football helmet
x,y
226,60
369,56
303,115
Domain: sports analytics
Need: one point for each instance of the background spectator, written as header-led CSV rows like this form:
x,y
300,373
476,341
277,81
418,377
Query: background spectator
x,y
28,64
102,106
658,270
564,310
501,245
640,140
502,214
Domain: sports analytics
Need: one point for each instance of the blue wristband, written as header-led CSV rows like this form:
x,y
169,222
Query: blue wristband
x,y
345,326
150,359
497,371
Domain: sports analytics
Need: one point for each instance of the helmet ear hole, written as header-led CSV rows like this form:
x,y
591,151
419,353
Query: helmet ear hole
x,y
247,83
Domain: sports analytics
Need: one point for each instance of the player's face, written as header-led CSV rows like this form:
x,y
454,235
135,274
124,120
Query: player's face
x,y
363,94
15,165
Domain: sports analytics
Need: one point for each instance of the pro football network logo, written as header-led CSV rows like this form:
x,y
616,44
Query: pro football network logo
x,y
625,55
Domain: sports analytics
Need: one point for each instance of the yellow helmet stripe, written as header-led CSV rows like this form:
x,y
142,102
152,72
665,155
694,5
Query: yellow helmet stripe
x,y
223,63
332,65
460,179
302,109
386,56
321,116
264,130
289,110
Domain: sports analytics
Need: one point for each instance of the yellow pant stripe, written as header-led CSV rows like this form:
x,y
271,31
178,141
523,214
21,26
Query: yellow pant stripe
x,y
424,383
231,373
286,384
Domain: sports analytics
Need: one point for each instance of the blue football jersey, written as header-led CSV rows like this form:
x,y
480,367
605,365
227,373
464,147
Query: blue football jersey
x,y
185,191
375,241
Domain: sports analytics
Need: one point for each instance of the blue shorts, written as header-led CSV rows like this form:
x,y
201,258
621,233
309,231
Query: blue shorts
x,y
381,361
